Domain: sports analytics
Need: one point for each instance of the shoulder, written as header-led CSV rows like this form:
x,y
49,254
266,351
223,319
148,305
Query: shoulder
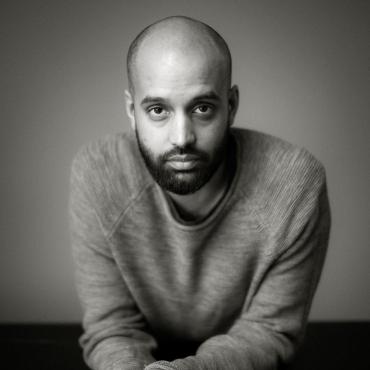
x,y
112,155
281,179
273,159
268,149
109,173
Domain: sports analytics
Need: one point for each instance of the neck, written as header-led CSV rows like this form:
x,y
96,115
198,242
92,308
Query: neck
x,y
200,204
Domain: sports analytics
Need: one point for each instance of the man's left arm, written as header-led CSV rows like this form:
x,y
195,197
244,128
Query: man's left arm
x,y
270,329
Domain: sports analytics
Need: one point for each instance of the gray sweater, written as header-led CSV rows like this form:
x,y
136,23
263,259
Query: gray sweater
x,y
236,287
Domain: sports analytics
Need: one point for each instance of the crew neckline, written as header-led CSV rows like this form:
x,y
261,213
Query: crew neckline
x,y
172,213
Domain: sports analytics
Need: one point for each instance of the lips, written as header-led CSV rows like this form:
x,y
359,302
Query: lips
x,y
184,162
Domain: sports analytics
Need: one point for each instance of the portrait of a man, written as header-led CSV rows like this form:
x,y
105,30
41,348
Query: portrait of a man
x,y
197,244
184,185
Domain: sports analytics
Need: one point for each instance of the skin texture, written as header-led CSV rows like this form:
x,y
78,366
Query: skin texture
x,y
181,102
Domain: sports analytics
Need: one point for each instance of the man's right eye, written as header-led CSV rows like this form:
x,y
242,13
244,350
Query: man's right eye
x,y
157,113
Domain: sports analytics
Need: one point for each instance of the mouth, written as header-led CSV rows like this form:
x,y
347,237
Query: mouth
x,y
184,162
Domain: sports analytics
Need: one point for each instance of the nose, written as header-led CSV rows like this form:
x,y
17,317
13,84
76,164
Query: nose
x,y
181,131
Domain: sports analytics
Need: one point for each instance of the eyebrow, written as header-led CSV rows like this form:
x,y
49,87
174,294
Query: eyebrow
x,y
211,95
152,99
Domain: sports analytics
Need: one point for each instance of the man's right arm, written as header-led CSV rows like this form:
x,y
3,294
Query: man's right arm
x,y
115,335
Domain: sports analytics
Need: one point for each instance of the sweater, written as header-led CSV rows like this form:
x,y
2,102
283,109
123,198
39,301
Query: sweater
x,y
232,291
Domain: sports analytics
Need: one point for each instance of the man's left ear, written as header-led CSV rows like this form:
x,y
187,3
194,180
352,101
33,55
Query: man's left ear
x,y
233,103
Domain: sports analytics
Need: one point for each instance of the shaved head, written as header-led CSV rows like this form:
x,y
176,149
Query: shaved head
x,y
180,102
169,39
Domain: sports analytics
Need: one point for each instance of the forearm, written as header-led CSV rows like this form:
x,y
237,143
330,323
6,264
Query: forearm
x,y
119,353
116,335
259,348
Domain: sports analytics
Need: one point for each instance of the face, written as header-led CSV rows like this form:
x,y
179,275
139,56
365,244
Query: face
x,y
181,112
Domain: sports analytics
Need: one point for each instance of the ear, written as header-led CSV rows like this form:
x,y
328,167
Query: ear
x,y
130,108
233,103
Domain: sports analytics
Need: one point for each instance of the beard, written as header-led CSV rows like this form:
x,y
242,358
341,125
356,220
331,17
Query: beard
x,y
184,181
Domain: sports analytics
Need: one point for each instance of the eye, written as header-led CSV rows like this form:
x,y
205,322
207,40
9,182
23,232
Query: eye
x,y
157,113
204,110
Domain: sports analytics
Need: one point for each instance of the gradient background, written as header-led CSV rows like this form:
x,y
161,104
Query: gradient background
x,y
302,69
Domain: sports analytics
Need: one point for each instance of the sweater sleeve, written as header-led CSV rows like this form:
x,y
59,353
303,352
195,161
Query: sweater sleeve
x,y
115,335
269,330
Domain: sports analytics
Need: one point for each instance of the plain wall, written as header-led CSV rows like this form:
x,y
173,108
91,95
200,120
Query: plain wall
x,y
301,67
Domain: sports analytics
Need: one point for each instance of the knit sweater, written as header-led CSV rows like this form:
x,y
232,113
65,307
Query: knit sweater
x,y
235,287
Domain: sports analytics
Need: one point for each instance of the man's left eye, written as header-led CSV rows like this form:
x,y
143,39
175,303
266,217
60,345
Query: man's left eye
x,y
203,109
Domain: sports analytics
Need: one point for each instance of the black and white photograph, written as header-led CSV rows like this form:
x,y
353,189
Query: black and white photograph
x,y
185,185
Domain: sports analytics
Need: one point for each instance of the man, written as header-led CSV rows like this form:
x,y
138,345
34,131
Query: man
x,y
197,246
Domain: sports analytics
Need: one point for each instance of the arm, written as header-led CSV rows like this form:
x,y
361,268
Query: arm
x,y
269,330
115,336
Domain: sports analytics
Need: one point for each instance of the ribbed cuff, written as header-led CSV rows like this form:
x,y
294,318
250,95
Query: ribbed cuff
x,y
161,365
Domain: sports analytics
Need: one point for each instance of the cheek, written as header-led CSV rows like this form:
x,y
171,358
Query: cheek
x,y
212,137
152,137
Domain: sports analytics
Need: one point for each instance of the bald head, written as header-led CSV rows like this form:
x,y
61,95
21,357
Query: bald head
x,y
178,38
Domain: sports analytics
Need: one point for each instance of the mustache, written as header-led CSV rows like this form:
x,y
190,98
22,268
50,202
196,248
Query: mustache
x,y
202,156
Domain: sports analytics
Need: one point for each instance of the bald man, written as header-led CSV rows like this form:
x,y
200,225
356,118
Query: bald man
x,y
196,245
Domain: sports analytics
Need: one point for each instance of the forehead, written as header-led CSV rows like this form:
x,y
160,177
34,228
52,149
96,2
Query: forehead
x,y
162,70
